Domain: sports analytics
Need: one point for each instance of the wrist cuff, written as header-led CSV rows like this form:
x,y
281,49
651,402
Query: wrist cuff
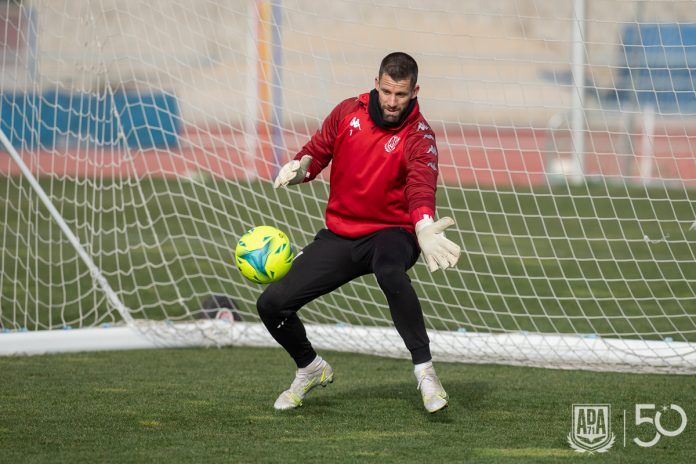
x,y
420,213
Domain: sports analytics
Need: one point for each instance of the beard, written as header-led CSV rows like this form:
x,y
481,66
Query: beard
x,y
389,116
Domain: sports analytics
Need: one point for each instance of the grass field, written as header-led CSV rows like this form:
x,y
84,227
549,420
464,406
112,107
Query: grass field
x,y
198,405
559,260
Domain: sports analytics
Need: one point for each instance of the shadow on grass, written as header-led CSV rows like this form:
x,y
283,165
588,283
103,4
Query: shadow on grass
x,y
465,397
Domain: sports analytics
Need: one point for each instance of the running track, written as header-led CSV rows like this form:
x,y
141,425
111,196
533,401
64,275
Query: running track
x,y
491,157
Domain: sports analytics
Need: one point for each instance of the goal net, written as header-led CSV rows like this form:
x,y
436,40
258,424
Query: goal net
x,y
139,137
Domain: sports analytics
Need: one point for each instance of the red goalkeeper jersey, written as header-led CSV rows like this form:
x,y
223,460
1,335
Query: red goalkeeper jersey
x,y
379,177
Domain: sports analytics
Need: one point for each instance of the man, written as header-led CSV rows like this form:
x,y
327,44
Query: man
x,y
379,214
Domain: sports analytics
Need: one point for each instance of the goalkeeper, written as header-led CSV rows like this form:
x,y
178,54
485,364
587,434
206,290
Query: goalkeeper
x,y
379,218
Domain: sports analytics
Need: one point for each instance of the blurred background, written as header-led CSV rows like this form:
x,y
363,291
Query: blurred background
x,y
497,77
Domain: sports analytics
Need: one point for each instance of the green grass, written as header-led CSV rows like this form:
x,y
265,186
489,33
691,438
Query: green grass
x,y
198,405
550,260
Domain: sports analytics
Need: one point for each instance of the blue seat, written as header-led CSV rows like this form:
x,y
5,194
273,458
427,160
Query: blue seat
x,y
658,67
139,120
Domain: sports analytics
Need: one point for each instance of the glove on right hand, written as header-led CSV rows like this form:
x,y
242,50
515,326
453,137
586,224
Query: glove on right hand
x,y
293,172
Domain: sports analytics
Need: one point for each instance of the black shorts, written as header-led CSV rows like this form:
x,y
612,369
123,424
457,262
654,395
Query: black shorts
x,y
331,261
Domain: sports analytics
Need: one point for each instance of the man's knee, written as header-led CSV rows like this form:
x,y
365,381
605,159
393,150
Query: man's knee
x,y
271,303
392,278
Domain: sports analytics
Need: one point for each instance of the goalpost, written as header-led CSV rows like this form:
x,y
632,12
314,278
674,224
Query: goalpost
x,y
138,139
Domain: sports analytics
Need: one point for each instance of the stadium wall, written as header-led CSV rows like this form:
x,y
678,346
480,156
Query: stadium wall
x,y
497,62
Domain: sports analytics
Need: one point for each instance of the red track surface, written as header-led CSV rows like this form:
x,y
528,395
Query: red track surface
x,y
486,157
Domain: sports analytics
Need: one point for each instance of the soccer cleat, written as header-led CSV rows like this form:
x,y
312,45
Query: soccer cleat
x,y
303,384
434,396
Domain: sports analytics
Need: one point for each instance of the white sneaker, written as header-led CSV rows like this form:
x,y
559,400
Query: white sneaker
x,y
303,384
434,396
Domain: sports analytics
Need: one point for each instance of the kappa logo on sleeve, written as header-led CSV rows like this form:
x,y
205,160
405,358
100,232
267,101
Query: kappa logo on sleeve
x,y
355,124
432,150
423,126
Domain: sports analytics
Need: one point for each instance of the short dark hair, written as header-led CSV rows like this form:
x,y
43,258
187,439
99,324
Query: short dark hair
x,y
399,66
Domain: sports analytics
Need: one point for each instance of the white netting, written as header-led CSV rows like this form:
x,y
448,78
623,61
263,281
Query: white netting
x,y
154,126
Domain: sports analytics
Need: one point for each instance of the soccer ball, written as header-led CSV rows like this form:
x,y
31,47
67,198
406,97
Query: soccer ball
x,y
264,254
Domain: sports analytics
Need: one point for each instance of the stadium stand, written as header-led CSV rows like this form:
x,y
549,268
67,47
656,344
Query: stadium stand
x,y
658,67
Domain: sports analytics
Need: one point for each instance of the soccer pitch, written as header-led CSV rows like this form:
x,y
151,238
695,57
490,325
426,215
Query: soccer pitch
x,y
562,140
216,405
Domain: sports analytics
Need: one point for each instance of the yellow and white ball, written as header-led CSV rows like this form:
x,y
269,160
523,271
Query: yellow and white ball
x,y
264,254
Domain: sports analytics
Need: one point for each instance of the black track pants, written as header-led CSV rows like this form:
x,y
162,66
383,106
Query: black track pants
x,y
331,261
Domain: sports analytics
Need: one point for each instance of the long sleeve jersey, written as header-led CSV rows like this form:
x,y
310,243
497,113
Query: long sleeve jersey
x,y
380,178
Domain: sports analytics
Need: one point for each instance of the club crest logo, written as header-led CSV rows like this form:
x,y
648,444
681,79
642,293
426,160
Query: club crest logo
x,y
391,144
591,428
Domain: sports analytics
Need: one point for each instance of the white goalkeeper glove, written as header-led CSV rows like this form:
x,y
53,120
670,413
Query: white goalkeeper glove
x,y
293,172
438,251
